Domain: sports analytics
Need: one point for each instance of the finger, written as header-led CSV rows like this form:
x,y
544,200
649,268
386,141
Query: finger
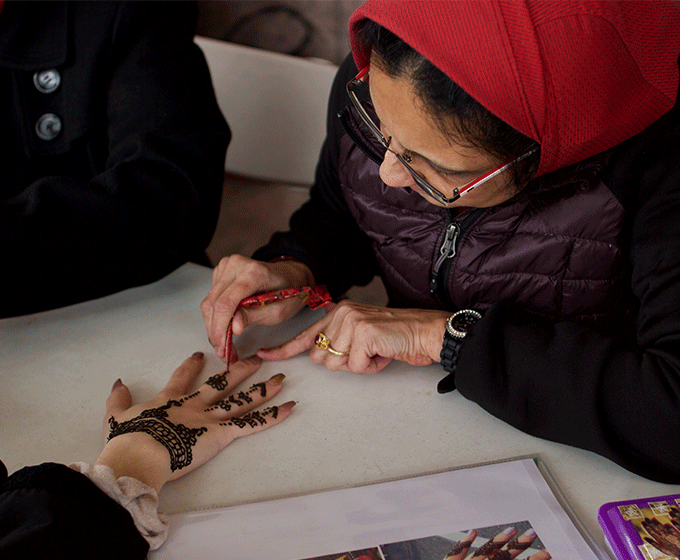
x,y
223,307
185,375
329,307
521,543
302,342
369,365
256,421
496,543
460,549
541,555
237,278
271,313
119,400
241,402
216,318
216,386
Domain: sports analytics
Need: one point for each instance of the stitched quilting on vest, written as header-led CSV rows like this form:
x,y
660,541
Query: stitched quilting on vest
x,y
563,261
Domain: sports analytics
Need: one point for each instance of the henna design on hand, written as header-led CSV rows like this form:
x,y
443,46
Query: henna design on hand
x,y
664,537
514,544
459,547
176,438
185,399
254,418
218,381
501,554
487,548
240,398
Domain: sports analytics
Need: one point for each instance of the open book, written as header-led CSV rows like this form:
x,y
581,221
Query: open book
x,y
449,515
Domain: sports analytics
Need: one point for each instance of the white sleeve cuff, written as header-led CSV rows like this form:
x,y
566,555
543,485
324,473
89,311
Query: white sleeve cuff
x,y
138,498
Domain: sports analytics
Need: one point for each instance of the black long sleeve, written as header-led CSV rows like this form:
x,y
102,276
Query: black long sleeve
x,y
616,392
51,511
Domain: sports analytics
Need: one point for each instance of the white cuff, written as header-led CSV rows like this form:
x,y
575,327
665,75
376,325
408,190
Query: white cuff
x,y
135,496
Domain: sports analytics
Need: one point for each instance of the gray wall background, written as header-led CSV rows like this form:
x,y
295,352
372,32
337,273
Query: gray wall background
x,y
310,28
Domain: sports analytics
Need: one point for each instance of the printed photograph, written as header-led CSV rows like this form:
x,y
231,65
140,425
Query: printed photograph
x,y
516,540
658,525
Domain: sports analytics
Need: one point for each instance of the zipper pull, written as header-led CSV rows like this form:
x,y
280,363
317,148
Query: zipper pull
x,y
446,251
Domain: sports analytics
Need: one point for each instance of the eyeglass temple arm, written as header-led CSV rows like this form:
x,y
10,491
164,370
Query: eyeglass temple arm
x,y
491,174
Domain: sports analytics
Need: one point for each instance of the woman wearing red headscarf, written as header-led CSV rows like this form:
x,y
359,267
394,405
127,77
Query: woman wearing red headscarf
x,y
510,170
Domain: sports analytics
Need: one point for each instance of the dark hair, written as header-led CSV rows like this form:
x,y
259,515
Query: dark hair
x,y
456,111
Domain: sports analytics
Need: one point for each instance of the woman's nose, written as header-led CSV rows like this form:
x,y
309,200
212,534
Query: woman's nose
x,y
393,173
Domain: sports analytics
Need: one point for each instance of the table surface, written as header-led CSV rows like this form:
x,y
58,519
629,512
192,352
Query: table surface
x,y
346,430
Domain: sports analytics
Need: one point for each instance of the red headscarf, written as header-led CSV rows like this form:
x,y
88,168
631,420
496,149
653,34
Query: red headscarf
x,y
578,77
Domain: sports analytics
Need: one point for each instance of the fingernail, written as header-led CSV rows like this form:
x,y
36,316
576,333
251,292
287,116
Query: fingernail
x,y
198,355
285,407
509,531
529,532
277,379
117,383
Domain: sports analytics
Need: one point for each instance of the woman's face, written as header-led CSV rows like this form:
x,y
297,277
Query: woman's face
x,y
445,162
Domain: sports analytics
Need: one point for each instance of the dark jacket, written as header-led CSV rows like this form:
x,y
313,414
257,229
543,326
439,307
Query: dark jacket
x,y
51,511
612,387
113,146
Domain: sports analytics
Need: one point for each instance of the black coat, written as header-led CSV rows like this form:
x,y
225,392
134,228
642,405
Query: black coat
x,y
113,178
51,511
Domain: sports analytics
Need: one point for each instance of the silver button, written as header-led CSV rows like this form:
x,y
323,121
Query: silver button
x,y
47,81
48,126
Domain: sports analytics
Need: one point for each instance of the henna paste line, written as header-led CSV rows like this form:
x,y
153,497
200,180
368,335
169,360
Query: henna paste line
x,y
218,381
253,419
176,438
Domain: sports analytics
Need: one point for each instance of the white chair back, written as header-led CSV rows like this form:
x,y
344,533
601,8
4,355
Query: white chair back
x,y
275,105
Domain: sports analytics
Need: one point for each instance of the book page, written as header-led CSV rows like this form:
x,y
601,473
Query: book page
x,y
442,516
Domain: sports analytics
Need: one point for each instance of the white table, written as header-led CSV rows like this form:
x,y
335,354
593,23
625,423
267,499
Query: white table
x,y
58,368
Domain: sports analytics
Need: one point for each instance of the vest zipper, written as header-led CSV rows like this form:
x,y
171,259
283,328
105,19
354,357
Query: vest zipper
x,y
454,231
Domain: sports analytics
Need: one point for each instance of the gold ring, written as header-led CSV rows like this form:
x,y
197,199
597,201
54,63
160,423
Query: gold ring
x,y
322,342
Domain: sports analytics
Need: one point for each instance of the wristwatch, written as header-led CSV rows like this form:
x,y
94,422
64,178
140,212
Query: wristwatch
x,y
457,326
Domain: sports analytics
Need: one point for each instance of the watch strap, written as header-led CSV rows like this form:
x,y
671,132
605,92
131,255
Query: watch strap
x,y
448,358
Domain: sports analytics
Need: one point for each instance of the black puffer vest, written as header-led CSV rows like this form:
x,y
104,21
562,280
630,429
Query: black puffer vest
x,y
562,260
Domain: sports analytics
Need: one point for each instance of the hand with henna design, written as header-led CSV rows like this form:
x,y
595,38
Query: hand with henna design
x,y
502,547
177,431
674,514
663,536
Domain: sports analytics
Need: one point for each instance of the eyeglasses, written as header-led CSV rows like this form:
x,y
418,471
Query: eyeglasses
x,y
362,79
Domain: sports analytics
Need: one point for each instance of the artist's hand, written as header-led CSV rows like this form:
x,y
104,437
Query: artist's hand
x,y
176,431
662,536
237,277
370,336
502,547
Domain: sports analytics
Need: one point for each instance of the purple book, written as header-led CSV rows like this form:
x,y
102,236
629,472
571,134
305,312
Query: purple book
x,y
644,529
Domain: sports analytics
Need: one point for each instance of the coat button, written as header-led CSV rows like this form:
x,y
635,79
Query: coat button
x,y
48,126
47,81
